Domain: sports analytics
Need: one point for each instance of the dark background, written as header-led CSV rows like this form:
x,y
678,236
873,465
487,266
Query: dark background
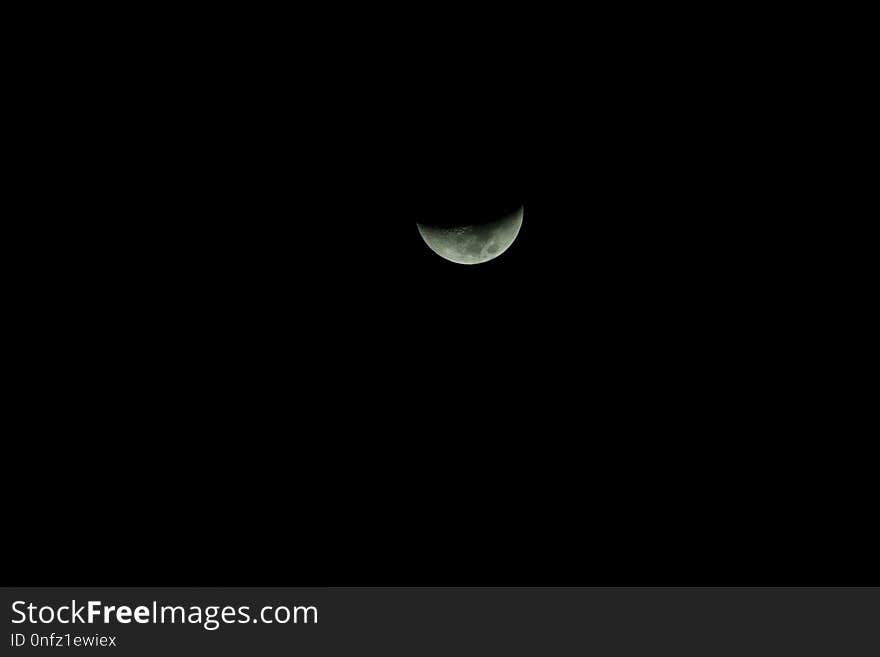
x,y
243,365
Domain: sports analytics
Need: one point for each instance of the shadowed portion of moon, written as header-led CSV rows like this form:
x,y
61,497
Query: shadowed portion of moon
x,y
475,243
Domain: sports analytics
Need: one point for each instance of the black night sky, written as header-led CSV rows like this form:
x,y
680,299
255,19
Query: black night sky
x,y
295,389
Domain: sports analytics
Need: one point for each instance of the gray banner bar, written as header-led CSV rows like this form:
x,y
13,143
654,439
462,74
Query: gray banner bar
x,y
444,621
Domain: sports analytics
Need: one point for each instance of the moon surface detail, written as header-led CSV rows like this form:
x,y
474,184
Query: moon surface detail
x,y
475,243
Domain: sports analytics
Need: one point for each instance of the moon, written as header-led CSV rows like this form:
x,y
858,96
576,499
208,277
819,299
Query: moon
x,y
475,243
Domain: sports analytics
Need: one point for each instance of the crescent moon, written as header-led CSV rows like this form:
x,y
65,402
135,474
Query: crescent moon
x,y
473,244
